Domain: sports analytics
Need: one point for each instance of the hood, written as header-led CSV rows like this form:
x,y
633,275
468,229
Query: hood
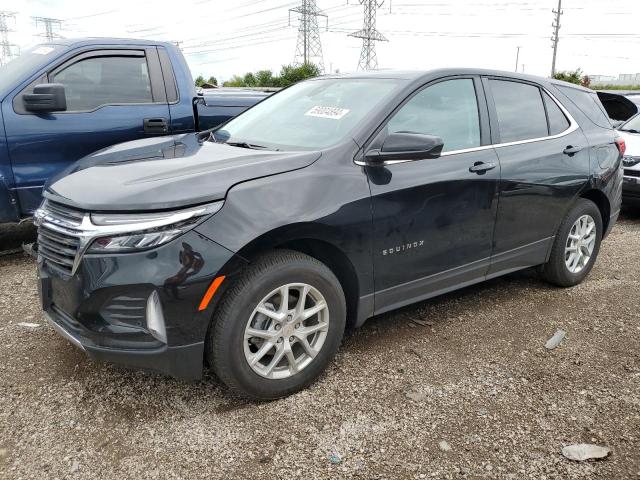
x,y
632,140
618,107
166,172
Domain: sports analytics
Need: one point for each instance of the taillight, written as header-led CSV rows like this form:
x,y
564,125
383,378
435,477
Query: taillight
x,y
621,144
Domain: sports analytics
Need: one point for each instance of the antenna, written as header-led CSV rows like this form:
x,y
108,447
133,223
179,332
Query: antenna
x,y
49,25
6,53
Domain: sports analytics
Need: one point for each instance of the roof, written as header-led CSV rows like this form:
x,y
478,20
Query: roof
x,y
413,75
79,42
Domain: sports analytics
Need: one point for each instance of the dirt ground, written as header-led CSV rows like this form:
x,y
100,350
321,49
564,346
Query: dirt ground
x,y
478,378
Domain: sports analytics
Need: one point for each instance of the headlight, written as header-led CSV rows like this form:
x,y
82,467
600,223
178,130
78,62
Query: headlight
x,y
130,232
629,161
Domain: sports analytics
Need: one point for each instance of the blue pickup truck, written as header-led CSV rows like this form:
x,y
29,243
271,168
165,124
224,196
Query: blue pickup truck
x,y
64,100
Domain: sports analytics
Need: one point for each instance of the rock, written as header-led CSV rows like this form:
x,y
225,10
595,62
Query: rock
x,y
3,452
554,341
424,323
415,395
335,458
29,325
584,451
75,466
444,446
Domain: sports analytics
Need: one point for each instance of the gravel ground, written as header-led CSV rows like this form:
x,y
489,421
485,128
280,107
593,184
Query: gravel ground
x,y
475,375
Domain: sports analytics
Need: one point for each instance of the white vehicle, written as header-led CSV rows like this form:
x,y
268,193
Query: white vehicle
x,y
630,132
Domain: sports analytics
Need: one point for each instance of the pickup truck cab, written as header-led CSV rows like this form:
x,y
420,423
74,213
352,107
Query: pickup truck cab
x,y
64,100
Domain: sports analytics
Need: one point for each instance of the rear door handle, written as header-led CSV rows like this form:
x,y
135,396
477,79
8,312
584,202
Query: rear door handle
x,y
571,150
481,167
156,125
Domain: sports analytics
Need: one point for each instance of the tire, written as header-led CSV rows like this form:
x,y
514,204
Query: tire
x,y
228,349
556,270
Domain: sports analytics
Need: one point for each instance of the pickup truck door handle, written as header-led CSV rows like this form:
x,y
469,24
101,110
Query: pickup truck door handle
x,y
156,125
481,167
571,150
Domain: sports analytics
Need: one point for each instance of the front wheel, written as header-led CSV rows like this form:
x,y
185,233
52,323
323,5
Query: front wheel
x,y
576,245
278,326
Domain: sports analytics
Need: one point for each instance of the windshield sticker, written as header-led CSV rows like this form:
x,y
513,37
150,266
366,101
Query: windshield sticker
x,y
43,50
335,113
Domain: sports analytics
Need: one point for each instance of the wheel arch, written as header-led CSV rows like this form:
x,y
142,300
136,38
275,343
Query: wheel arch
x,y
318,246
603,204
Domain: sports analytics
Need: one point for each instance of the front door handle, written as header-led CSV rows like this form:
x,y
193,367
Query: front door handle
x,y
571,150
156,125
481,167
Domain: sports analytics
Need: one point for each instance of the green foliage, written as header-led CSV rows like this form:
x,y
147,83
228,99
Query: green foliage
x,y
615,87
574,76
265,78
200,81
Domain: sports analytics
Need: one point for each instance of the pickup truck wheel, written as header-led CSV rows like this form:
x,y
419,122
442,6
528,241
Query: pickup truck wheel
x,y
576,245
278,326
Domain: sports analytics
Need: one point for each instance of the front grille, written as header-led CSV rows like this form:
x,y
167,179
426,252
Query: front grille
x,y
58,249
63,212
631,173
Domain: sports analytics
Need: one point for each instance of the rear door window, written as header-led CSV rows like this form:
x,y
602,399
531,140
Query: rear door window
x,y
589,104
521,113
558,122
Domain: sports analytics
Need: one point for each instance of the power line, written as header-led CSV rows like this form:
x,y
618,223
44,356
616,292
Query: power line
x,y
556,37
369,35
49,25
6,53
309,46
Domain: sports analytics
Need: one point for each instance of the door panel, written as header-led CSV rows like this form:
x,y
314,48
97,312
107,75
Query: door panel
x,y
42,145
433,219
433,224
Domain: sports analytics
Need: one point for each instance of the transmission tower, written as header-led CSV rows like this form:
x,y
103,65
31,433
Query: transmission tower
x,y
369,35
555,38
308,47
49,25
6,53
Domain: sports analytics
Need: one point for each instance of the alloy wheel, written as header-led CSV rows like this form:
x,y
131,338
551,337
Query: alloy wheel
x,y
286,331
580,244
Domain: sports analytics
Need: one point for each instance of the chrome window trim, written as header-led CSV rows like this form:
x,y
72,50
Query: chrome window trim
x,y
573,126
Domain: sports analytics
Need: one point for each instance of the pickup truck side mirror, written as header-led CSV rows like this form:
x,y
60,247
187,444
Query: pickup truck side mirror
x,y
405,146
46,97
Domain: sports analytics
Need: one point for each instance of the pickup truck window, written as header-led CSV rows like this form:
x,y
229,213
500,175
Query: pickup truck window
x,y
23,66
447,109
96,81
310,115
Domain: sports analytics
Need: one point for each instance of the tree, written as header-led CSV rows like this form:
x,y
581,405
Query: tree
x,y
212,80
199,81
265,78
574,76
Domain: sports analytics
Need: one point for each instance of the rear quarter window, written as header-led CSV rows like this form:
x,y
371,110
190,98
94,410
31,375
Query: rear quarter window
x,y
589,104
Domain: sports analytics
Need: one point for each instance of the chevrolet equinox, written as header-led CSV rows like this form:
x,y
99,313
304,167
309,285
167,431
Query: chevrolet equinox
x,y
250,248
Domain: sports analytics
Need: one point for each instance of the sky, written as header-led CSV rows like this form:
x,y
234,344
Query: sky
x,y
222,38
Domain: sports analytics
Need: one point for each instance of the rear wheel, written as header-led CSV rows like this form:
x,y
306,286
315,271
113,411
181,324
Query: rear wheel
x,y
576,245
278,326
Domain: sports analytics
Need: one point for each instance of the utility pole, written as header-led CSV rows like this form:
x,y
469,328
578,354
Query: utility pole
x,y
5,46
49,25
308,46
369,35
556,37
517,57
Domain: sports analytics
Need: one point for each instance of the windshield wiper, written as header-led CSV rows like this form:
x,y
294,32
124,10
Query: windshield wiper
x,y
246,145
630,130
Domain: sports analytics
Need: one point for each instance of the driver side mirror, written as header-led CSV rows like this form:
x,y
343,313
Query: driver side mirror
x,y
405,146
46,97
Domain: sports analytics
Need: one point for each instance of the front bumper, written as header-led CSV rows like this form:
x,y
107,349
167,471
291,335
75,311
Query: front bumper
x,y
631,187
103,308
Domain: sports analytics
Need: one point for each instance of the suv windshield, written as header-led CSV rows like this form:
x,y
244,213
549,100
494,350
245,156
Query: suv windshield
x,y
310,115
24,65
633,125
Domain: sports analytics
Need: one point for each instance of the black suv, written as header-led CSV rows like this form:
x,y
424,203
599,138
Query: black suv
x,y
251,248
